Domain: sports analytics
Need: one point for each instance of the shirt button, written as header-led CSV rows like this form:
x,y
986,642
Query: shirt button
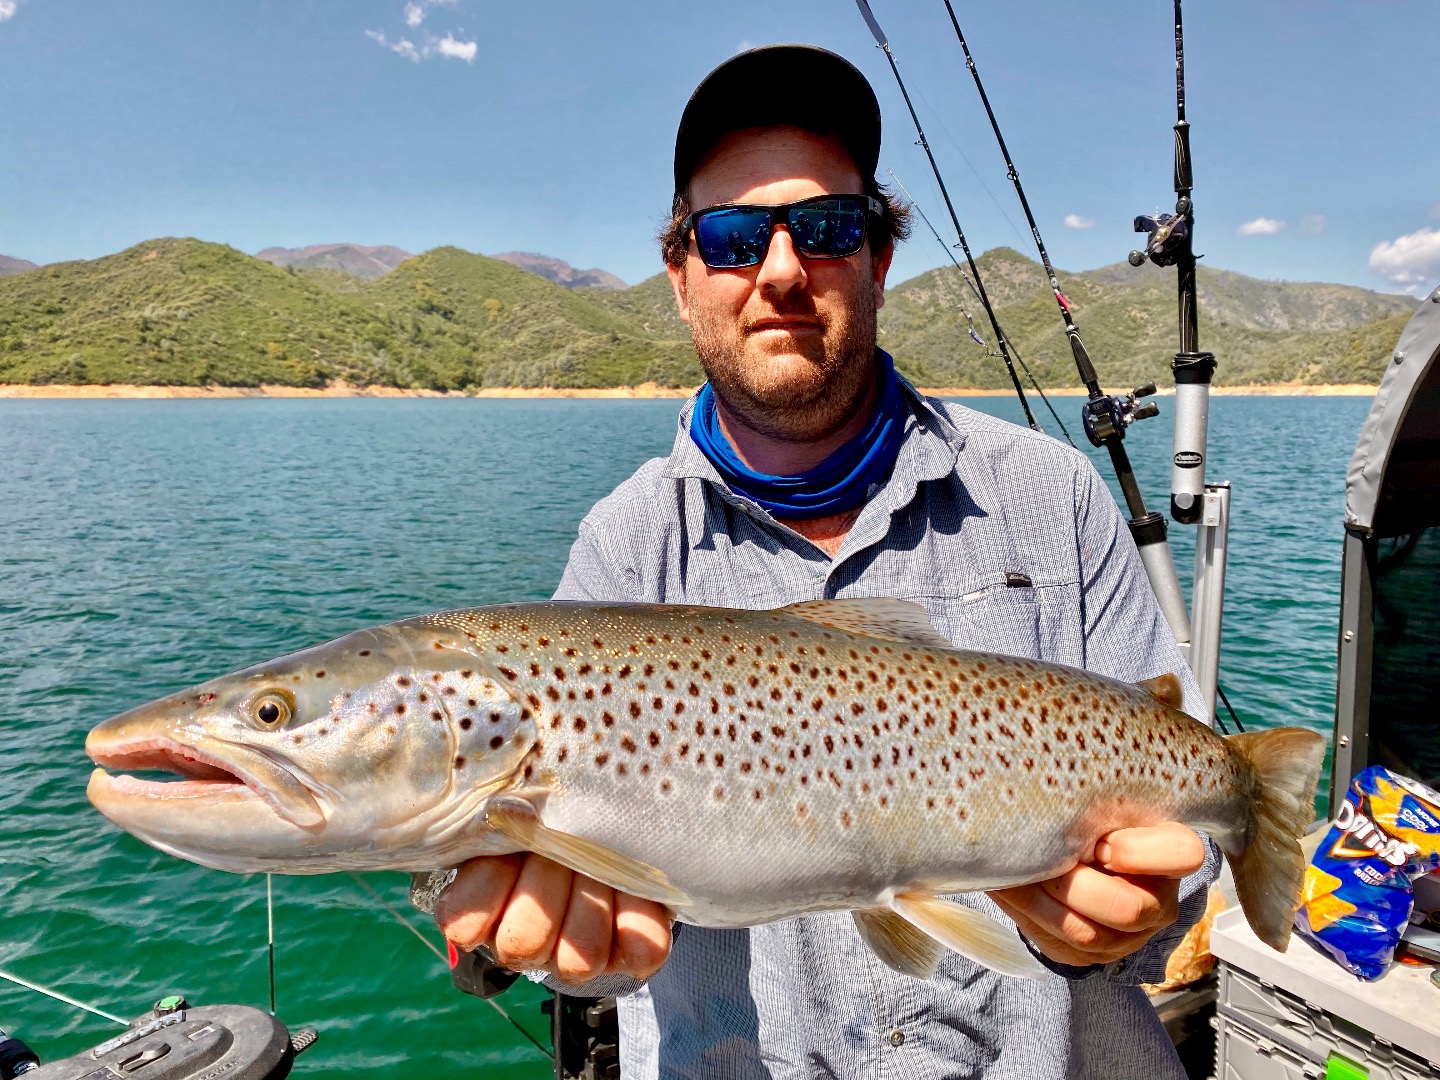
x,y
897,1038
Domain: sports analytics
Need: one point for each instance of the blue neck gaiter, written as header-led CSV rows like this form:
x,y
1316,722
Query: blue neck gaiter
x,y
841,482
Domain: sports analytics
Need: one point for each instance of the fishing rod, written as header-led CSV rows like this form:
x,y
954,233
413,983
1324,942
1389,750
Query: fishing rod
x,y
1105,416
970,322
1171,242
884,44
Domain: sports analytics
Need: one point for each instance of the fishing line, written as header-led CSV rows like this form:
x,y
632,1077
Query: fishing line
x,y
1105,415
270,943
445,960
1229,708
971,322
61,997
884,44
970,164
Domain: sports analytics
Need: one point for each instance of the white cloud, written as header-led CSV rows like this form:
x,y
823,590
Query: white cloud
x,y
1411,261
456,50
1261,226
414,14
7,8
1079,221
1313,224
403,47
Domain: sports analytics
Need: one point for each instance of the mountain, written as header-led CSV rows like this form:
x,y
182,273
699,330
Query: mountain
x,y
1260,331
9,265
365,262
561,272
184,312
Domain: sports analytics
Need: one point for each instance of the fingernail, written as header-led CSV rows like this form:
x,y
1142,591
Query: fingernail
x,y
1102,852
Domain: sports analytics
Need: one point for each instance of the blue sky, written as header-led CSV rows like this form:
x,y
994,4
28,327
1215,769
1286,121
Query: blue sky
x,y
548,126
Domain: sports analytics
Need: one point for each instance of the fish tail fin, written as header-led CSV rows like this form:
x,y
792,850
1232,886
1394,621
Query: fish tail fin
x,y
1270,867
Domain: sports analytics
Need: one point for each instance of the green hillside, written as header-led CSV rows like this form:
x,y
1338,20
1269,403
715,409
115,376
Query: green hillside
x,y
1260,331
186,312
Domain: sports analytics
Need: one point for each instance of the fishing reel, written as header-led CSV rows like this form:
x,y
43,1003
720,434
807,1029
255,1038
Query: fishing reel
x,y
175,1042
1166,236
1107,416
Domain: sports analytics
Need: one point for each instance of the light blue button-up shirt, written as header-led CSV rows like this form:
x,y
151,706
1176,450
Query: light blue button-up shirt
x,y
973,508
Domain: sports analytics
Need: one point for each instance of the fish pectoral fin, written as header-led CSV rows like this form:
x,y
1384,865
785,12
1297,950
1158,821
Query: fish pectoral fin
x,y
518,820
1165,689
898,943
970,933
881,617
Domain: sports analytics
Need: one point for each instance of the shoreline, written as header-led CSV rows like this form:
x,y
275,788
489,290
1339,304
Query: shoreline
x,y
645,391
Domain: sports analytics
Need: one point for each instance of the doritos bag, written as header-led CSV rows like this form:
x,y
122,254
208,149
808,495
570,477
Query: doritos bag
x,y
1357,895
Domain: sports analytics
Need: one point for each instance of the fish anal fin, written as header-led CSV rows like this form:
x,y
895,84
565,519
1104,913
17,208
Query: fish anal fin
x,y
970,933
880,617
1165,689
899,944
519,821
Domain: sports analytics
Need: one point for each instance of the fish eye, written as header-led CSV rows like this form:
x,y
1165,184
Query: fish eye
x,y
272,710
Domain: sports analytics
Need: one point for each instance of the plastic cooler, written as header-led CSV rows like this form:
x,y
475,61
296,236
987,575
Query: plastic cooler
x,y
1299,1015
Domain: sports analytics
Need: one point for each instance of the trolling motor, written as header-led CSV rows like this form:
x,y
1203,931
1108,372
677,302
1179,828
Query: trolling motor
x,y
175,1042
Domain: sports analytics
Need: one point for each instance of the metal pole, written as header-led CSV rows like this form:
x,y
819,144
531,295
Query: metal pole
x,y
1211,548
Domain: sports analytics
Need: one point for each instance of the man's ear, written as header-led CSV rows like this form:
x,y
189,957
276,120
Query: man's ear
x,y
879,267
677,285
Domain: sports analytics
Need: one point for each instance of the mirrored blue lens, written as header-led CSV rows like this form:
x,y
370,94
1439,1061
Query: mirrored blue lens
x,y
736,237
829,229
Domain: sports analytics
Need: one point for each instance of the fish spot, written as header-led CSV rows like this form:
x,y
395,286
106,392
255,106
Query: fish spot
x,y
389,729
665,786
436,714
297,738
607,719
627,744
401,681
563,753
579,723
602,759
466,723
718,793
654,738
364,652
400,708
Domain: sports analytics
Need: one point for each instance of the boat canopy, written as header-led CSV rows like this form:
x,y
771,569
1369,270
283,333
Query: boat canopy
x,y
1388,691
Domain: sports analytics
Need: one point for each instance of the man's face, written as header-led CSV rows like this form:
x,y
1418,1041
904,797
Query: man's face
x,y
788,345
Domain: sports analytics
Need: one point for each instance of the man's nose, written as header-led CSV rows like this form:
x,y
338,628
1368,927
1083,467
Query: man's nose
x,y
783,270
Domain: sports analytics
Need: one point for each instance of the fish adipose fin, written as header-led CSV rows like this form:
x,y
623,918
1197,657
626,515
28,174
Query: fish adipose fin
x,y
970,933
1165,689
518,820
880,617
1270,868
901,945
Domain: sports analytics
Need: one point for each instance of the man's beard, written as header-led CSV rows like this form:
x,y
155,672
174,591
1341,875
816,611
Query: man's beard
x,y
804,389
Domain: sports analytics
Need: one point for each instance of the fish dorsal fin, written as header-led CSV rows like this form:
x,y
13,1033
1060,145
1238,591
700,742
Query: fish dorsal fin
x,y
879,617
519,821
1165,689
969,932
900,945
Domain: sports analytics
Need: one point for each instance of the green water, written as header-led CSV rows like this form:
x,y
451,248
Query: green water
x,y
147,545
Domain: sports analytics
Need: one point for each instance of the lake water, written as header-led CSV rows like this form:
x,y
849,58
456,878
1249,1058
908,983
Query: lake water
x,y
145,545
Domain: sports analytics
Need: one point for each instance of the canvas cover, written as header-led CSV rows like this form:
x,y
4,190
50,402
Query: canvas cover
x,y
1403,429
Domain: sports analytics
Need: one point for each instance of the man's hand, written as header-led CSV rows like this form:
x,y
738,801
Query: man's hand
x,y
1102,911
538,916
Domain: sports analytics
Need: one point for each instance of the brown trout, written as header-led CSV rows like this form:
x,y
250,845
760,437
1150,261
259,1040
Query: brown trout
x,y
738,766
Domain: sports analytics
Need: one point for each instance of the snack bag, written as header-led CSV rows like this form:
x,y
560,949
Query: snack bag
x,y
1357,895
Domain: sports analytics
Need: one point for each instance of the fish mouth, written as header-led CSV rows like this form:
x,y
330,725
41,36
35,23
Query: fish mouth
x,y
204,777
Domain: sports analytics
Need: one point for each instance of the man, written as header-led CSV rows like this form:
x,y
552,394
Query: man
x,y
807,469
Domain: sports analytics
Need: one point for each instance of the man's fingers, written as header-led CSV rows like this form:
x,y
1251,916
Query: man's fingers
x,y
1057,921
1055,948
1114,900
582,950
468,909
525,936
642,936
1165,850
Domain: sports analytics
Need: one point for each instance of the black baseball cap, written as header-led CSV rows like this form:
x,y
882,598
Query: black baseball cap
x,y
804,86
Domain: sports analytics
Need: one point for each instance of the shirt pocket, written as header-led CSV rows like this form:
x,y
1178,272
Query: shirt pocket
x,y
997,618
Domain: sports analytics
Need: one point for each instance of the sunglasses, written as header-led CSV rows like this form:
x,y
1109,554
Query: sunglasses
x,y
825,227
